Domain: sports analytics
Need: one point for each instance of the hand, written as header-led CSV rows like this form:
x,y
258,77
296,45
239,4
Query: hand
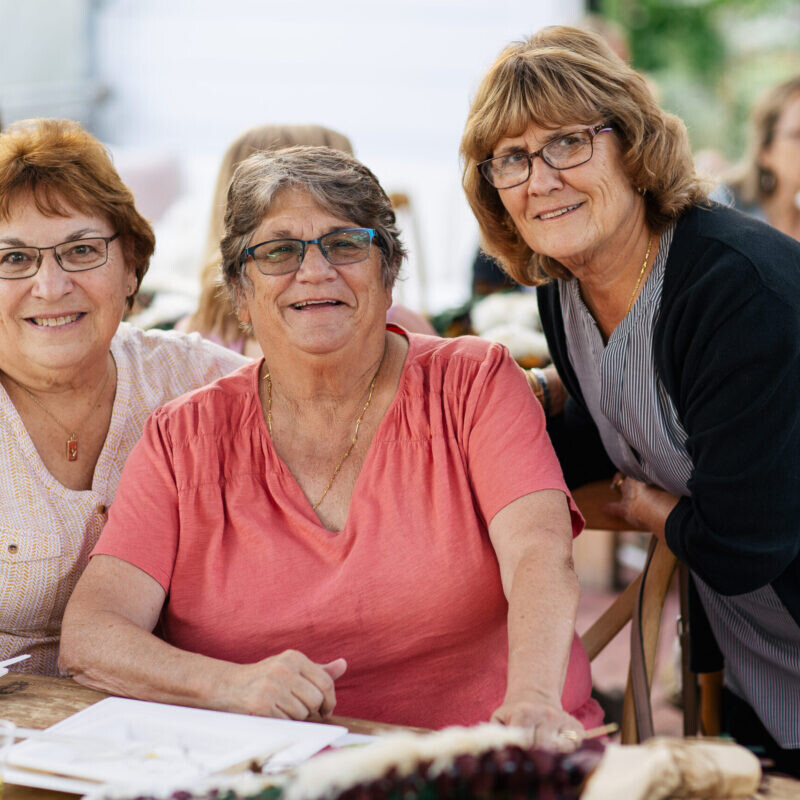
x,y
288,685
645,507
553,728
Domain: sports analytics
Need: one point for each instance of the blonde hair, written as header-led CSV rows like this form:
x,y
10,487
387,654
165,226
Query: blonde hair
x,y
752,182
563,76
57,164
215,310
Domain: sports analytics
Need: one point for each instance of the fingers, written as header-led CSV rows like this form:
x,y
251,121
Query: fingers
x,y
335,668
552,728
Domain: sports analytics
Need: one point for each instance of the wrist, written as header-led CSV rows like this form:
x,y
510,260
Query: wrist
x,y
540,387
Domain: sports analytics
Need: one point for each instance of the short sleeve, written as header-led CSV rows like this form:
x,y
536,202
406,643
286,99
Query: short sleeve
x,y
509,453
142,526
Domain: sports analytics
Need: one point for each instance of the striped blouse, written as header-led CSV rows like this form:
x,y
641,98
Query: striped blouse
x,y
47,530
643,436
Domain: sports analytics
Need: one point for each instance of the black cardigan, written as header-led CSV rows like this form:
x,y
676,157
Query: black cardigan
x,y
727,350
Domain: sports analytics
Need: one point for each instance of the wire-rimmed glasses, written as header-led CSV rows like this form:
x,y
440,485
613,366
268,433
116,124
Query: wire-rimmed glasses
x,y
565,151
77,255
281,256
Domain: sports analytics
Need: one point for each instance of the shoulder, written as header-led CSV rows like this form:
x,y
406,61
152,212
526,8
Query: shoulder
x,y
719,251
176,361
462,353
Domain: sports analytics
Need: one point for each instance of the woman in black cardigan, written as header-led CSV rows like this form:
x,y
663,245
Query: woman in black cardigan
x,y
674,326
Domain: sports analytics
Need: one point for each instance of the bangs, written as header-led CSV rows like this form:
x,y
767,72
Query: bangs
x,y
541,88
50,199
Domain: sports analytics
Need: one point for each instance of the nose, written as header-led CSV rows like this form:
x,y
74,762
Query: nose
x,y
51,282
315,267
544,178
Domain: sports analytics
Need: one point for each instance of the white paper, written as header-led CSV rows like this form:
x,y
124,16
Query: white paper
x,y
140,744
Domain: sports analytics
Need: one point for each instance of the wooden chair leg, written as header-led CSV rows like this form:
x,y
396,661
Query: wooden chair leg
x,y
711,703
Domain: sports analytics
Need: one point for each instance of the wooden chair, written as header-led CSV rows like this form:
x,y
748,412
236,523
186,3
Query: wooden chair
x,y
662,565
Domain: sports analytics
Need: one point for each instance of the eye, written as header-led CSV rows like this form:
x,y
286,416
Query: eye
x,y
277,250
16,258
570,141
511,161
80,250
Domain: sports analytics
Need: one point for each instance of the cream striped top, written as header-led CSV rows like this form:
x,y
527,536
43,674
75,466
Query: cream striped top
x,y
46,530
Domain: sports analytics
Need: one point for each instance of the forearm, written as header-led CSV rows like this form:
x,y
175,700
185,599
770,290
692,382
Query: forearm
x,y
106,651
543,603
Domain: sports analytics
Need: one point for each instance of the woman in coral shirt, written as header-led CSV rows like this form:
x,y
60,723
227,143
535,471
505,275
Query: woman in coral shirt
x,y
369,518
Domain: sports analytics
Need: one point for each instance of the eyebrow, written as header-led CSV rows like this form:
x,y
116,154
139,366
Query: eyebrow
x,y
284,234
557,132
81,233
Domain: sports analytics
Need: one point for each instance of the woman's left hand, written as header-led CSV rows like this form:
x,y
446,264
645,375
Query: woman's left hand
x,y
645,507
553,728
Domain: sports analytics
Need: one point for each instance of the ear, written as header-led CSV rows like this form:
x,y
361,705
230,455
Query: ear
x,y
242,307
131,283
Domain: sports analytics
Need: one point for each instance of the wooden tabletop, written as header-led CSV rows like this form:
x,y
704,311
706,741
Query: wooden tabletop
x,y
37,701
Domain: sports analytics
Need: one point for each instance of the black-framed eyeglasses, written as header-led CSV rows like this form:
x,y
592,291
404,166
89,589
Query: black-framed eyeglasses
x,y
565,151
77,255
281,256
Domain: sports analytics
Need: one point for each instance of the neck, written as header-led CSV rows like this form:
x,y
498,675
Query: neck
x,y
333,379
66,385
782,212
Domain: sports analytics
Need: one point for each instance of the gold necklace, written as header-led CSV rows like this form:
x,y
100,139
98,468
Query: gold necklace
x,y
641,275
71,451
347,452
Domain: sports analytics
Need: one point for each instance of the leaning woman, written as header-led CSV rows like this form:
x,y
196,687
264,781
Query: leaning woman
x,y
674,325
368,518
76,385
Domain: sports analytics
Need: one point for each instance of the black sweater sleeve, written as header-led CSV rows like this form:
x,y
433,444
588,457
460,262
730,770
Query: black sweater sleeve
x,y
727,346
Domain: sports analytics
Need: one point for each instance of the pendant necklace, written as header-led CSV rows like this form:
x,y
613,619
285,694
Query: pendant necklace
x,y
71,450
267,378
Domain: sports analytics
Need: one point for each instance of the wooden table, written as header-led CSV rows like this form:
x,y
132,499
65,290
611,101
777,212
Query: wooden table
x,y
36,701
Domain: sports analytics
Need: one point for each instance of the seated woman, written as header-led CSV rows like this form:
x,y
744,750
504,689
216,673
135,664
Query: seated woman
x,y
367,517
216,317
674,325
76,386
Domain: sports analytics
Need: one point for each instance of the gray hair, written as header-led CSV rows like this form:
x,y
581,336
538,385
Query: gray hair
x,y
337,182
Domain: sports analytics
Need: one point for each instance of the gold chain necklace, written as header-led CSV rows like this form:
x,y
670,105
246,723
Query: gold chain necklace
x,y
641,275
347,452
71,451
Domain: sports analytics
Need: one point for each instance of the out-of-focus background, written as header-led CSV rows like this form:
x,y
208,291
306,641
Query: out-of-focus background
x,y
167,84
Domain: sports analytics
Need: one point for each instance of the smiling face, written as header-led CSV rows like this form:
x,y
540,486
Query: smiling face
x,y
320,308
57,326
579,216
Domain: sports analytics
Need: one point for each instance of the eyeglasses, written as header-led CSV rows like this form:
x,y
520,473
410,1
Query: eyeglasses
x,y
78,255
281,256
566,151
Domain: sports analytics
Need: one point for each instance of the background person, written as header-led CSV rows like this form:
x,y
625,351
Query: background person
x,y
674,326
75,385
216,317
389,470
767,183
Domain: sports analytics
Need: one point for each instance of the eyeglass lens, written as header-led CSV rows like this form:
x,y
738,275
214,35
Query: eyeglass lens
x,y
83,254
569,150
280,256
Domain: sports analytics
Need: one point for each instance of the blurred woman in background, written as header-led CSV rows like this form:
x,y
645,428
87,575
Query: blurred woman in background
x,y
767,184
76,384
215,317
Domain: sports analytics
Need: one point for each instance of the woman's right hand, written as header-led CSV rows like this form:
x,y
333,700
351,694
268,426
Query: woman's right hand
x,y
288,685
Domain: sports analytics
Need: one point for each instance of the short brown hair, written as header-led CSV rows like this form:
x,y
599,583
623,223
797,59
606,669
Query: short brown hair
x,y
58,164
215,312
337,182
563,76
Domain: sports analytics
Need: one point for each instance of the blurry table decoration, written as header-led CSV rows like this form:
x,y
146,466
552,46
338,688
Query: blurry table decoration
x,y
37,702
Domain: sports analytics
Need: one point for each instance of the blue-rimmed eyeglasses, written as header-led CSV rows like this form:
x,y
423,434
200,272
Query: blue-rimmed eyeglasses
x,y
281,256
565,151
74,256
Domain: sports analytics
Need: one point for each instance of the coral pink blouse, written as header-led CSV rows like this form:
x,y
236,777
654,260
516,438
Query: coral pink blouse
x,y
408,592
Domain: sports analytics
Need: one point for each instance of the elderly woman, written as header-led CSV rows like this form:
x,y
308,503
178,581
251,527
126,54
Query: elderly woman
x,y
674,325
76,386
767,184
369,517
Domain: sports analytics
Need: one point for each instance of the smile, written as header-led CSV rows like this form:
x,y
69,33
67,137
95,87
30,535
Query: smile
x,y
559,212
314,304
54,322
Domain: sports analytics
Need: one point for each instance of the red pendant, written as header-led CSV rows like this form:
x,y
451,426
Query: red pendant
x,y
72,448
